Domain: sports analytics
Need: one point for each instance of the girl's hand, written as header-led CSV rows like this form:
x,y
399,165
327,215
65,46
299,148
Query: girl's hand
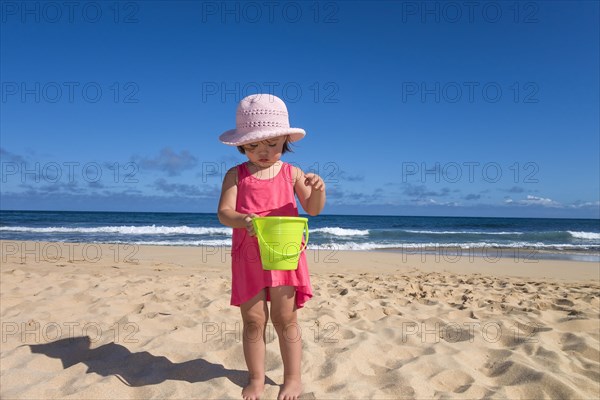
x,y
249,227
314,181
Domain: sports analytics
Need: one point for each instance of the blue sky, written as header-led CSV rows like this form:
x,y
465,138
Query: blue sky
x,y
410,108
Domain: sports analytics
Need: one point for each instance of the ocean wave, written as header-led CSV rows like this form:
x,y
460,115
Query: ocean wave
x,y
335,231
585,235
463,232
543,235
124,230
450,246
353,246
211,243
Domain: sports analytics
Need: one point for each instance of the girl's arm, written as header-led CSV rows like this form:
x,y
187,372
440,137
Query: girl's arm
x,y
310,190
226,213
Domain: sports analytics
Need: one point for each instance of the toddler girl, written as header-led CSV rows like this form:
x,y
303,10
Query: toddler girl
x,y
266,186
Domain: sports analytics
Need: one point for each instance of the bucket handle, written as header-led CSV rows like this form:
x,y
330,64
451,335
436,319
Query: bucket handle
x,y
262,240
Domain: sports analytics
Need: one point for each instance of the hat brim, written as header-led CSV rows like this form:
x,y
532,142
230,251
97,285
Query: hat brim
x,y
234,138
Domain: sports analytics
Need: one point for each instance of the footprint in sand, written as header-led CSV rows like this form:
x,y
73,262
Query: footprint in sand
x,y
347,334
564,302
452,381
578,346
327,369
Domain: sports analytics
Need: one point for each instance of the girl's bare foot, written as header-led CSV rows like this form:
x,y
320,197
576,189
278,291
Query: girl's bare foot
x,y
291,389
254,389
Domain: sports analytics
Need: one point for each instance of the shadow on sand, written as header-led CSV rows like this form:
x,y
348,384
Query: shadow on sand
x,y
135,369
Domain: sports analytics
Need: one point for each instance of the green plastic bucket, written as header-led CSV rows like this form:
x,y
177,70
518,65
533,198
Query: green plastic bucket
x,y
280,241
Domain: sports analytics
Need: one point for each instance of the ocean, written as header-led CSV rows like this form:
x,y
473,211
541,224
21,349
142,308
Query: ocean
x,y
577,239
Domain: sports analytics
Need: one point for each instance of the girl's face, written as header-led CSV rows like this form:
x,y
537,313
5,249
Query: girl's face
x,y
265,153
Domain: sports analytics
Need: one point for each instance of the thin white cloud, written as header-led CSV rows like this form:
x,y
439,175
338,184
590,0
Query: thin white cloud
x,y
433,202
531,200
541,201
585,204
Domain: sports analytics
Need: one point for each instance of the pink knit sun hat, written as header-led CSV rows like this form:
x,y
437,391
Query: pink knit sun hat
x,y
260,117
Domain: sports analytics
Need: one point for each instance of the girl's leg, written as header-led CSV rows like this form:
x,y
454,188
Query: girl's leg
x,y
255,315
284,318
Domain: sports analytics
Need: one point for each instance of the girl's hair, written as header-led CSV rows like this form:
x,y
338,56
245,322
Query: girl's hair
x,y
286,148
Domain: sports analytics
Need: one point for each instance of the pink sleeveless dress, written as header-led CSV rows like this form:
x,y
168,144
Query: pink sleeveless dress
x,y
264,197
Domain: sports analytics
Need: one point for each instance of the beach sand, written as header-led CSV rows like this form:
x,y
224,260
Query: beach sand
x,y
88,321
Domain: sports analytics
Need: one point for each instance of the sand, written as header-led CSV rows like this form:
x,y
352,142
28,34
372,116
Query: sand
x,y
88,321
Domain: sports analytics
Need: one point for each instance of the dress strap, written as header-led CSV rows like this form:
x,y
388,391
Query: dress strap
x,y
242,171
286,172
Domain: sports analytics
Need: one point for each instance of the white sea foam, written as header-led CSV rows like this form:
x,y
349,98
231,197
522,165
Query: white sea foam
x,y
464,232
208,243
124,230
585,235
335,231
352,246
437,246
